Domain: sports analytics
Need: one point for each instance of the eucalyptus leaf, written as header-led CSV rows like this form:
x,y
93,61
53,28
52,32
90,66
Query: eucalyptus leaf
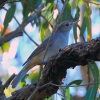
x,y
77,82
33,4
88,20
91,93
67,93
49,1
6,46
43,31
95,71
75,26
42,36
83,27
23,82
9,16
33,76
67,12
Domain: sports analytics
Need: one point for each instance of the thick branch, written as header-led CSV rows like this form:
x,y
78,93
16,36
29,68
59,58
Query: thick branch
x,y
2,2
10,36
55,70
18,31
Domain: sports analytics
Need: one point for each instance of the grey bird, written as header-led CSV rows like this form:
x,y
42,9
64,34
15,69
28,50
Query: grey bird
x,y
58,41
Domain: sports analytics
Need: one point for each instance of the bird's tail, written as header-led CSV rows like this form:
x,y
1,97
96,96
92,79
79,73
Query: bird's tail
x,y
22,73
18,78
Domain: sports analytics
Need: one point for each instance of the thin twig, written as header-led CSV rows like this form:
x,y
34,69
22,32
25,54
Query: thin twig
x,y
26,32
22,28
50,83
32,9
74,85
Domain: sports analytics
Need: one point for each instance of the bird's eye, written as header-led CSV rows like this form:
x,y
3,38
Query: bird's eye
x,y
67,24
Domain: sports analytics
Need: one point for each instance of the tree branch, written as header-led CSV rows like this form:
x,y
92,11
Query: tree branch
x,y
2,2
10,36
75,54
18,31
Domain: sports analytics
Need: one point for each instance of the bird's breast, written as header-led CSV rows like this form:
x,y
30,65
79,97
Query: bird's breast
x,y
60,42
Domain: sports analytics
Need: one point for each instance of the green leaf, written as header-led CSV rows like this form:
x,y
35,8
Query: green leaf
x,y
52,6
98,98
75,32
31,3
77,2
87,11
83,27
86,23
9,16
67,12
26,11
49,1
42,36
43,31
49,10
33,76
88,20
23,82
6,46
91,93
95,71
75,26
67,93
77,82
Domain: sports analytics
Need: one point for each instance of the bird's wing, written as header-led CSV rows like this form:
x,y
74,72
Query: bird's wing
x,y
42,47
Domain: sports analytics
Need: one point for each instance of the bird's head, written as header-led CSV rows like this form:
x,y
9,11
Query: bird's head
x,y
66,26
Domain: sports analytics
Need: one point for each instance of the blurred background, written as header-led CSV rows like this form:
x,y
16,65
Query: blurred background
x,y
15,52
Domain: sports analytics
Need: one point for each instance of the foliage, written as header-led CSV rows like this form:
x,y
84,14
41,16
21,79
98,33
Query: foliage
x,y
72,10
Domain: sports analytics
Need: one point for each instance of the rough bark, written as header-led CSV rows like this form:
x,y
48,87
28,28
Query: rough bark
x,y
76,54
2,2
